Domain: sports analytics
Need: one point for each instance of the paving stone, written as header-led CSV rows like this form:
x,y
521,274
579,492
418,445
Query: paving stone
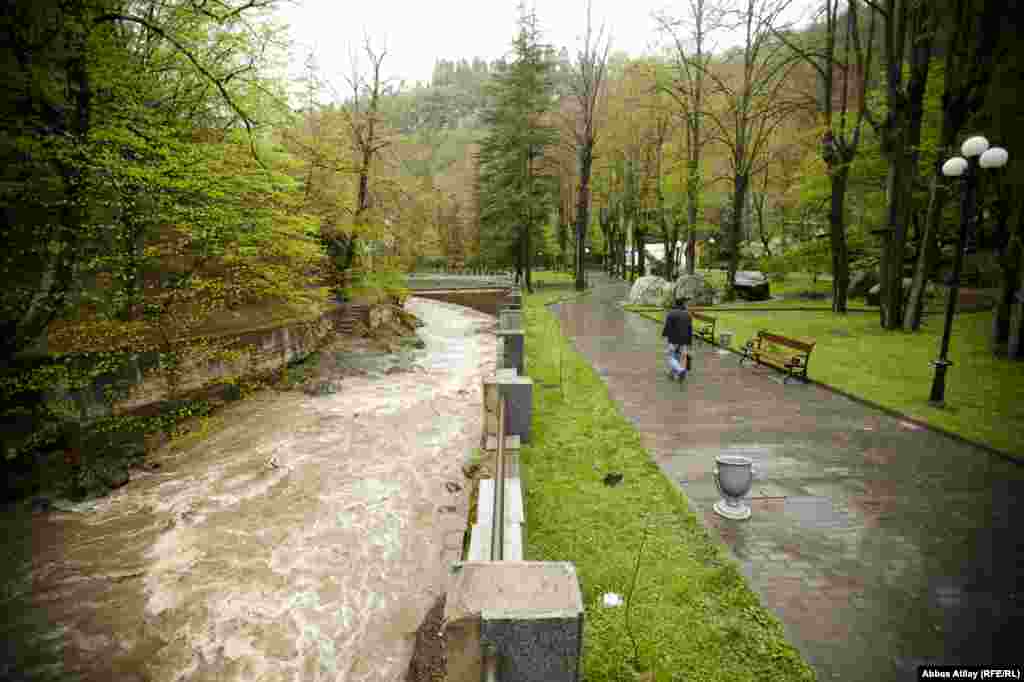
x,y
858,521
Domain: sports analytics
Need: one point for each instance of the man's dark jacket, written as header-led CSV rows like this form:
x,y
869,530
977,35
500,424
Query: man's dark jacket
x,y
678,327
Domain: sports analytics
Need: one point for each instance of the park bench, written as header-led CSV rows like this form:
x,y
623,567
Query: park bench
x,y
789,355
706,330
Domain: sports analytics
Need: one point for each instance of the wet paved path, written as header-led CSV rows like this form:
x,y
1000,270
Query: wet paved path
x,y
878,544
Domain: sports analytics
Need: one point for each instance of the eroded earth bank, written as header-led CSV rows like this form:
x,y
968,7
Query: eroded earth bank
x,y
302,540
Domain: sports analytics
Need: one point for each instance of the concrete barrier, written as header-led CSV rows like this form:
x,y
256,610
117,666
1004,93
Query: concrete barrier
x,y
526,614
509,619
515,520
510,319
512,351
518,393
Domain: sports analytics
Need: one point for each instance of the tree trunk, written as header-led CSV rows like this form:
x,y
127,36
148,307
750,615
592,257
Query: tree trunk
x,y
1004,308
764,235
623,271
641,253
928,255
840,255
899,186
739,198
902,138
1010,262
1015,335
691,212
583,209
671,237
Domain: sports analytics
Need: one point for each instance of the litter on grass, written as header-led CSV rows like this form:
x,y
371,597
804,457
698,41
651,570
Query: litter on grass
x,y
611,599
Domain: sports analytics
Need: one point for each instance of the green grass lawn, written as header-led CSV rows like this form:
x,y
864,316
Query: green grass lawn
x,y
692,613
794,282
984,394
543,277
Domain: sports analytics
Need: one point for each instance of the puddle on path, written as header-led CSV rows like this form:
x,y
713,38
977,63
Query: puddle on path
x,y
299,542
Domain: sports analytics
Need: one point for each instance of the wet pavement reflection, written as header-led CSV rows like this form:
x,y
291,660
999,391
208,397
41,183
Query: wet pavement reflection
x,y
879,545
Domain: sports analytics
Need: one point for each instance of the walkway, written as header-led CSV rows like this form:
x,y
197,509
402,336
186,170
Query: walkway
x,y
878,544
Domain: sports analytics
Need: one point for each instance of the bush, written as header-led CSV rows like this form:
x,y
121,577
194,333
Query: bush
x,y
776,267
430,262
379,286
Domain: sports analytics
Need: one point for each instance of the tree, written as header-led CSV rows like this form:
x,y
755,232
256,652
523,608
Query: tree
x,y
586,86
688,88
515,196
363,116
92,88
909,28
754,97
839,144
972,35
658,132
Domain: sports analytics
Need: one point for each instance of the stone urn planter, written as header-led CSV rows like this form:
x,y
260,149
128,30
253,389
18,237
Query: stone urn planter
x,y
734,476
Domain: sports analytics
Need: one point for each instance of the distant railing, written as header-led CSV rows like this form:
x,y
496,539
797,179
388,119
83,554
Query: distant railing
x,y
498,526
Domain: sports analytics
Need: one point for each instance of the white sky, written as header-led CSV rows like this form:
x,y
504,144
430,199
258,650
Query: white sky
x,y
418,32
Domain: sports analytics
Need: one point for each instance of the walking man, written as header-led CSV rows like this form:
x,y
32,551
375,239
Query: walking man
x,y
679,333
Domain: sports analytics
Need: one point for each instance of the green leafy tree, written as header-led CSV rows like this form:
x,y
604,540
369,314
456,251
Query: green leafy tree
x,y
586,86
515,196
100,96
845,108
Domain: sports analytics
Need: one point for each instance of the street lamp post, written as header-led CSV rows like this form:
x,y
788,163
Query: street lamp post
x,y
976,153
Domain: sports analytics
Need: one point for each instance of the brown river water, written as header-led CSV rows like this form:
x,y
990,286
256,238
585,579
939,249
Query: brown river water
x,y
301,540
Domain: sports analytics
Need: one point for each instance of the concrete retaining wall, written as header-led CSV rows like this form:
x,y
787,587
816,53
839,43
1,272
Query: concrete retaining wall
x,y
142,383
483,300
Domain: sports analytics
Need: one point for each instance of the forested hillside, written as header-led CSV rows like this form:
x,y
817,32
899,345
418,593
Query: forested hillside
x,y
160,185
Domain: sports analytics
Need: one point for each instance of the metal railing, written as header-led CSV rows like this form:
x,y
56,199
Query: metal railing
x,y
497,528
498,517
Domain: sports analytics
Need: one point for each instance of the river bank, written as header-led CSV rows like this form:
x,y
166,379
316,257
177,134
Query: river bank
x,y
301,539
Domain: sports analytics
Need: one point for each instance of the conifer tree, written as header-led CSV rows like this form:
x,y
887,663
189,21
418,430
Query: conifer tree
x,y
516,195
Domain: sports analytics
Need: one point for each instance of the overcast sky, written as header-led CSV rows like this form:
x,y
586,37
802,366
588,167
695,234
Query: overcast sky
x,y
419,32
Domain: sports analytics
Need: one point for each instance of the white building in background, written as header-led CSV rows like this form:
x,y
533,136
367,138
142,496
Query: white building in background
x,y
657,251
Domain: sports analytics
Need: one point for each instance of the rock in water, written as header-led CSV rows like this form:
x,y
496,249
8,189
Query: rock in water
x,y
321,388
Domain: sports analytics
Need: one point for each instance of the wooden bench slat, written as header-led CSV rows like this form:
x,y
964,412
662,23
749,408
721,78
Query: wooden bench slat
x,y
763,349
786,341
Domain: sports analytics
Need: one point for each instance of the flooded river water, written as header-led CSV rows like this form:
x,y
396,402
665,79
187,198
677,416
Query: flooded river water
x,y
301,540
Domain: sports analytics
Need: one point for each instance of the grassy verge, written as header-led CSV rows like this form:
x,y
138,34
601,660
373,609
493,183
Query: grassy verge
x,y
984,394
786,303
692,614
552,277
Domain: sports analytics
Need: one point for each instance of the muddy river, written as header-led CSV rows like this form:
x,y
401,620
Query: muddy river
x,y
301,540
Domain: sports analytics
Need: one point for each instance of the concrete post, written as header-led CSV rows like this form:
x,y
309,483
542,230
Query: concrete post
x,y
512,349
527,613
510,319
518,393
